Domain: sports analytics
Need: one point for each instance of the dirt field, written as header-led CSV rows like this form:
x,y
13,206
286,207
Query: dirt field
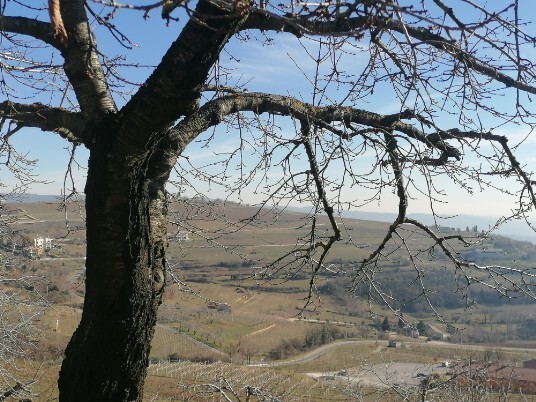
x,y
385,375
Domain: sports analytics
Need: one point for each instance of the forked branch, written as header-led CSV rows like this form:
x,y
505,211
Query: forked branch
x,y
69,125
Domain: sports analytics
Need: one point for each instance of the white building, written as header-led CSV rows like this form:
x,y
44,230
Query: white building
x,y
43,243
183,235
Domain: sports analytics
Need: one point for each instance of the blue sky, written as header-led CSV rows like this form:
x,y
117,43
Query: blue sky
x,y
282,67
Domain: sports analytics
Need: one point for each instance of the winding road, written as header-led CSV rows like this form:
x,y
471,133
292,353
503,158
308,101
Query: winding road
x,y
313,354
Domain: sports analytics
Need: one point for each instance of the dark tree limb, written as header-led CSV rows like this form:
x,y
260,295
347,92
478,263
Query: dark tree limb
x,y
69,125
326,206
27,26
174,88
213,113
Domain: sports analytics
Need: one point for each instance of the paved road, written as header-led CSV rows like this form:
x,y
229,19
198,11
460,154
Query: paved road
x,y
202,345
449,345
313,354
325,348
389,374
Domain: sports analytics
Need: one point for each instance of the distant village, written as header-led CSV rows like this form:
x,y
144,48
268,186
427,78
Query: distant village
x,y
27,247
39,246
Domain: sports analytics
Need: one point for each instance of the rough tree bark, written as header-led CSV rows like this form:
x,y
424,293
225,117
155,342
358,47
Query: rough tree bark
x,y
126,240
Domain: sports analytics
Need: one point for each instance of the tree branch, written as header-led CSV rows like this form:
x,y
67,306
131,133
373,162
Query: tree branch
x,y
322,198
26,26
310,25
174,88
213,112
69,125
82,65
56,20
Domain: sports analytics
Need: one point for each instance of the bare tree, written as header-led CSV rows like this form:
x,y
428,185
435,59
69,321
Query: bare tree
x,y
20,306
444,68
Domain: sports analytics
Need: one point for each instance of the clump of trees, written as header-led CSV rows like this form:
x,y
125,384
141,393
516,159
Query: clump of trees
x,y
317,335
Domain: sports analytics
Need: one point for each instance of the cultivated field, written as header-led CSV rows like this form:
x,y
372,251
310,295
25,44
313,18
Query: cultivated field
x,y
225,307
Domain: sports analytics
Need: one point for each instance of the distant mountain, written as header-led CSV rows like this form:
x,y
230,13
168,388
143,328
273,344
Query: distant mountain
x,y
29,198
517,230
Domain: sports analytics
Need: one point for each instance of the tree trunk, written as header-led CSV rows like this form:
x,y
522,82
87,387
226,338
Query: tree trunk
x,y
107,357
132,154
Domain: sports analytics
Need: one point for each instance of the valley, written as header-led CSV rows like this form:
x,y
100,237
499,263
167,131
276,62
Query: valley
x,y
229,309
